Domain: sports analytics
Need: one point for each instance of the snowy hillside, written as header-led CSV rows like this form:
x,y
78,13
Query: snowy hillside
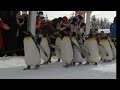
x,y
11,68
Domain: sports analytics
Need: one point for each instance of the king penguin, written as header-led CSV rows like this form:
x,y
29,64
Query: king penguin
x,y
58,44
78,56
45,49
66,50
92,45
105,43
32,53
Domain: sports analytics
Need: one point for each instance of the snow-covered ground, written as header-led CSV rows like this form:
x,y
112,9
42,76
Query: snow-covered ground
x,y
12,68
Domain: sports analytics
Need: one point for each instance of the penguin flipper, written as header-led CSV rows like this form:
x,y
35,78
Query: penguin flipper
x,y
42,50
85,49
106,52
54,46
79,50
76,47
111,45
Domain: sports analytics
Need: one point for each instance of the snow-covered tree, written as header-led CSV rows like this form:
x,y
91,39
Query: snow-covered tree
x,y
100,23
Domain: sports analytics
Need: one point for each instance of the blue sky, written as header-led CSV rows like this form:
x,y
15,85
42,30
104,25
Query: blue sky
x,y
99,14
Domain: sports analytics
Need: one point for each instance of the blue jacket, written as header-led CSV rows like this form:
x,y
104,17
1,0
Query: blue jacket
x,y
113,29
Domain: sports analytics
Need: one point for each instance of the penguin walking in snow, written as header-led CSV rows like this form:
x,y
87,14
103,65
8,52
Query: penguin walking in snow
x,y
58,45
92,45
45,49
106,44
78,55
113,48
32,52
66,49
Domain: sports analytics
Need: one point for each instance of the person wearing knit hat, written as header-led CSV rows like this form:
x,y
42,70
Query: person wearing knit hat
x,y
65,18
40,14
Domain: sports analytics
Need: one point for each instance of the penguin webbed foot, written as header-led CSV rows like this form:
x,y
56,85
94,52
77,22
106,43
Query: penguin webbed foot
x,y
104,60
66,66
45,63
37,66
107,60
71,64
74,63
58,60
86,63
50,61
95,64
28,68
80,63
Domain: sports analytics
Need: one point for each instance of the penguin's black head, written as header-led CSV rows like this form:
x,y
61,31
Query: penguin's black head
x,y
57,35
27,34
73,34
44,35
91,35
86,38
105,37
68,29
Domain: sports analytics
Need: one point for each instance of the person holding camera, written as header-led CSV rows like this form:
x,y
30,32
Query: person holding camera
x,y
22,28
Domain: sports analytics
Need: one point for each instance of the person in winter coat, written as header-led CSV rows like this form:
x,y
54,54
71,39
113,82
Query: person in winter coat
x,y
22,28
63,29
73,26
113,30
4,15
38,31
5,27
65,19
80,20
12,35
81,32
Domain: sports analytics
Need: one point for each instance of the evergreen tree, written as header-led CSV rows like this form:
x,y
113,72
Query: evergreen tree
x,y
93,22
100,23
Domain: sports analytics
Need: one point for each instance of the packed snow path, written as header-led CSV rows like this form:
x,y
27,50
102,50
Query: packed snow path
x,y
12,68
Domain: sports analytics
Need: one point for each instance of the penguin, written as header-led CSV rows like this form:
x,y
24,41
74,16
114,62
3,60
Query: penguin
x,y
45,49
102,51
92,45
66,50
105,43
58,50
85,50
77,51
113,48
32,52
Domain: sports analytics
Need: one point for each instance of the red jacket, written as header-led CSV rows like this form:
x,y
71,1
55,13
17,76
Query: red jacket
x,y
39,21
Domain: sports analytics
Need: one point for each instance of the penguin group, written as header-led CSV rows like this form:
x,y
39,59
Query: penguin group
x,y
69,45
